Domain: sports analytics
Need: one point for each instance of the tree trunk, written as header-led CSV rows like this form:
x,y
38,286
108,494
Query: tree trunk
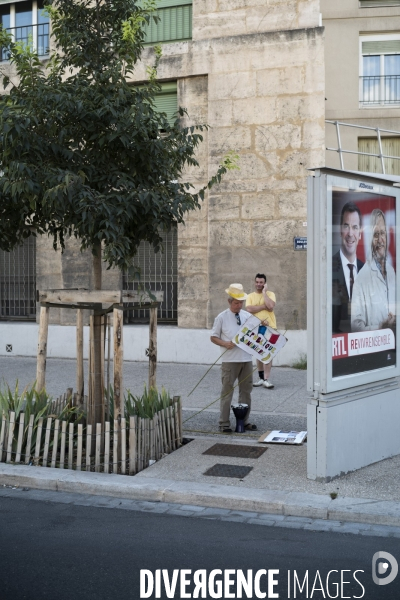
x,y
96,404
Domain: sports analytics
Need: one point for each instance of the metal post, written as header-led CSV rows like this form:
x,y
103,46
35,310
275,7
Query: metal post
x,y
339,145
378,133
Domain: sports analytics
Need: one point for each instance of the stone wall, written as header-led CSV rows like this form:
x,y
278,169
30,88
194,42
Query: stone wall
x,y
254,71
69,269
262,95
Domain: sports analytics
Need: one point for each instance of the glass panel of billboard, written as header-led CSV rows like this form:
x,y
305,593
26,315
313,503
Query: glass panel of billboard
x,y
364,279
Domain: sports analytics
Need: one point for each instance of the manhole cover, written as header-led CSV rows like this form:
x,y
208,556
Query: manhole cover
x,y
220,470
235,450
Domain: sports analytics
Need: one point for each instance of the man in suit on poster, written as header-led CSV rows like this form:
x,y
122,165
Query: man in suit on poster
x,y
345,268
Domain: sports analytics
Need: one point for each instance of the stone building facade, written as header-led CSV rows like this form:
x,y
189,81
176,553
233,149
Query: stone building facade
x,y
254,71
362,73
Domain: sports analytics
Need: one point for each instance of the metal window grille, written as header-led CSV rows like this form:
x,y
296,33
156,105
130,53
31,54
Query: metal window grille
x,y
18,282
383,147
380,89
159,272
36,36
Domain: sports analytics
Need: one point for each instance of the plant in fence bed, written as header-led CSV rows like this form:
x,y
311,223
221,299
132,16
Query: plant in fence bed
x,y
37,430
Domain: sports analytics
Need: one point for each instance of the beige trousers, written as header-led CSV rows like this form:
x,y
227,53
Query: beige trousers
x,y
230,371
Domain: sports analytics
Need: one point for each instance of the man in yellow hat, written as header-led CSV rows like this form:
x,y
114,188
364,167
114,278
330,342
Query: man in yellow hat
x,y
236,363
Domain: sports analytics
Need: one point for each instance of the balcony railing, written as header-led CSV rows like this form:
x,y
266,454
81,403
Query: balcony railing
x,y
376,90
36,36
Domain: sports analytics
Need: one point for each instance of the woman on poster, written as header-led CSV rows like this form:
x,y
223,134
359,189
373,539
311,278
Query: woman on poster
x,y
374,291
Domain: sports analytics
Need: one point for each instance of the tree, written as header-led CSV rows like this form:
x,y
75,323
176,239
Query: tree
x,y
80,146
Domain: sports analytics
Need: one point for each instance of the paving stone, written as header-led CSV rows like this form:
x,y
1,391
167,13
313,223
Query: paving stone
x,y
234,519
180,513
214,511
269,522
268,516
320,526
332,523
244,513
299,520
192,507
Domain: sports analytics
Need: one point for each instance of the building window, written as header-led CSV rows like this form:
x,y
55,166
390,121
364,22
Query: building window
x,y
159,272
27,23
18,282
166,101
373,164
380,70
175,22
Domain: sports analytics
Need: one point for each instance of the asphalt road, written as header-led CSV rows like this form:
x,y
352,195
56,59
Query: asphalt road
x,y
64,551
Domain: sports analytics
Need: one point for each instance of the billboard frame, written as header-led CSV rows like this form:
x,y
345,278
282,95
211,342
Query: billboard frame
x,y
319,279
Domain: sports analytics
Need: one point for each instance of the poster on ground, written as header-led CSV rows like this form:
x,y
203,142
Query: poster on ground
x,y
283,437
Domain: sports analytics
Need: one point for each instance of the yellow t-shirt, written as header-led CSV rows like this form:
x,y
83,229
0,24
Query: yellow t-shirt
x,y
255,299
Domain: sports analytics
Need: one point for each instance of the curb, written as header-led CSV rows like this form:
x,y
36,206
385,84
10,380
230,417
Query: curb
x,y
276,502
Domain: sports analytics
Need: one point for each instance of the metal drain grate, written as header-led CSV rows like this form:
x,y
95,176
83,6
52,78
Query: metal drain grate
x,y
220,470
235,450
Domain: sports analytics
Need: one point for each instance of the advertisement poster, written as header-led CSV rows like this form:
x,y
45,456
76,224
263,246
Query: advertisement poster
x,y
263,346
363,281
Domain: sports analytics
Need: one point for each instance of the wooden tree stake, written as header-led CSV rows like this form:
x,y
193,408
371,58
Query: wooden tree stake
x,y
79,356
153,347
42,348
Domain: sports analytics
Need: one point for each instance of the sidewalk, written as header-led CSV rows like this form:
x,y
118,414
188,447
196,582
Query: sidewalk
x,y
277,482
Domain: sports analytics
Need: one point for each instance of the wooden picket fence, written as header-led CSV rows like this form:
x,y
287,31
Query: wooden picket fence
x,y
124,447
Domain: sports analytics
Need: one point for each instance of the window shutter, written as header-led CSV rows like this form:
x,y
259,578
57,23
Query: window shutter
x,y
378,3
372,164
381,47
167,101
175,22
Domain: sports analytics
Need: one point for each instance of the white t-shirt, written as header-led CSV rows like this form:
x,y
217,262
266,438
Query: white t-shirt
x,y
226,327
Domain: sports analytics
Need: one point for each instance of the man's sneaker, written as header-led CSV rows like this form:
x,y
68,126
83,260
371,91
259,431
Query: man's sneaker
x,y
258,383
267,384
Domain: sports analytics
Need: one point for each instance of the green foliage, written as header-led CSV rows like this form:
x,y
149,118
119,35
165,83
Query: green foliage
x,y
80,147
30,402
144,406
301,363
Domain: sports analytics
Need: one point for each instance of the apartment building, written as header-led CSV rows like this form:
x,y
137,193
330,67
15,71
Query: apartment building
x,y
254,71
362,75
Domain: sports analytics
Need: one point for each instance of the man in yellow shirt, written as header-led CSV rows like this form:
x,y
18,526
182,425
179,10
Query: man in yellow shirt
x,y
261,303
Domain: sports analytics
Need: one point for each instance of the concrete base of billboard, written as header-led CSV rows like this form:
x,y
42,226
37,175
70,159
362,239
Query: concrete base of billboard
x,y
345,434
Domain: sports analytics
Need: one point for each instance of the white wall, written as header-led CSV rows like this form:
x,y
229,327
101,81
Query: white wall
x,y
175,344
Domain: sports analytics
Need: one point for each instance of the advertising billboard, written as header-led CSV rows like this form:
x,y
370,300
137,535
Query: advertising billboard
x,y
352,280
363,280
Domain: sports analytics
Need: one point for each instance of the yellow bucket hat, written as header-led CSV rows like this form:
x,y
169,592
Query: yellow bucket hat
x,y
235,290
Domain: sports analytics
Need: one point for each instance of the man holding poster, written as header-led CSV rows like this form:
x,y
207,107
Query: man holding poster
x,y
374,291
236,363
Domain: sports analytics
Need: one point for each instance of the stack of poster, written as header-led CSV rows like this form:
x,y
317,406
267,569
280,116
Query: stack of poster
x,y
283,437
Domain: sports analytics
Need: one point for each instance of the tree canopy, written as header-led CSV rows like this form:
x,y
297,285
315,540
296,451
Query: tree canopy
x,y
80,147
